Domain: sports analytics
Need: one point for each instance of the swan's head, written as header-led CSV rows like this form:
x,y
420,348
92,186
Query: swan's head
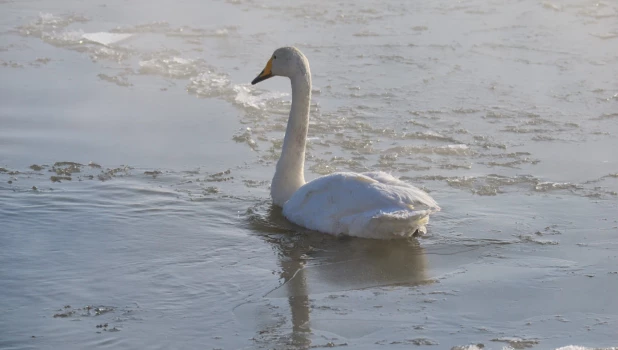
x,y
285,62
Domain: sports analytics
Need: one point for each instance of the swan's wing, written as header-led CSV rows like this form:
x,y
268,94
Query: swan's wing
x,y
367,205
414,195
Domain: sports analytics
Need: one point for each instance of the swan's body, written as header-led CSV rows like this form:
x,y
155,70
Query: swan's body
x,y
372,205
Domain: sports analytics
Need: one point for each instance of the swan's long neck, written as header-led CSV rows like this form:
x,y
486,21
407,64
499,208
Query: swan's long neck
x,y
289,175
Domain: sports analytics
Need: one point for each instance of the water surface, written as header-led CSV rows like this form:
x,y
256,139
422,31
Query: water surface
x,y
135,162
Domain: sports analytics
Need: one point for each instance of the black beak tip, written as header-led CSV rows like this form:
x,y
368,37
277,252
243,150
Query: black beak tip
x,y
261,77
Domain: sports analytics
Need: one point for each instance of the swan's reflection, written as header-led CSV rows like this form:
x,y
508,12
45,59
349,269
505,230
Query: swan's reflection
x,y
314,263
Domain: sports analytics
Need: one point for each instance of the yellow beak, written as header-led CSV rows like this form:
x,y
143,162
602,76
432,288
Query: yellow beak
x,y
265,74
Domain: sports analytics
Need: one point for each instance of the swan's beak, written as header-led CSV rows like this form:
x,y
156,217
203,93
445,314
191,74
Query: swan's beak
x,y
266,73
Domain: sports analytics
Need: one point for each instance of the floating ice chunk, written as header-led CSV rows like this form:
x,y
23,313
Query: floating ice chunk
x,y
63,39
105,38
460,146
173,67
254,98
209,83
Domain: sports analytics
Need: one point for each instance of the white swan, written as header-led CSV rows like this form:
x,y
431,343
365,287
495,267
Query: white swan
x,y
371,205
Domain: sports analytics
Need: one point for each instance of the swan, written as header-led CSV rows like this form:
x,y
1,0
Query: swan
x,y
370,205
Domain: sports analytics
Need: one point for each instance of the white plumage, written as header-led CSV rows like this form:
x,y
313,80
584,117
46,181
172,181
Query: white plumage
x,y
370,205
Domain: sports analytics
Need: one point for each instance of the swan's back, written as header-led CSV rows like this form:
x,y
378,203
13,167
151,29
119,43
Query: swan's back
x,y
372,205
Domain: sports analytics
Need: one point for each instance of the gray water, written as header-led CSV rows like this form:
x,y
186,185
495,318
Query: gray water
x,y
135,169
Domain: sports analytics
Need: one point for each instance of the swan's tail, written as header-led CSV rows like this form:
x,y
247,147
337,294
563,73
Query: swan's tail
x,y
397,223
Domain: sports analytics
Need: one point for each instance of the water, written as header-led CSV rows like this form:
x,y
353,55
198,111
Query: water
x,y
135,161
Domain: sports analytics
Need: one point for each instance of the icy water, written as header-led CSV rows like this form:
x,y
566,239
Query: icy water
x,y
135,162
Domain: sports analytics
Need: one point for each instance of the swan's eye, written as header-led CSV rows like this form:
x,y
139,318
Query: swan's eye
x,y
274,57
